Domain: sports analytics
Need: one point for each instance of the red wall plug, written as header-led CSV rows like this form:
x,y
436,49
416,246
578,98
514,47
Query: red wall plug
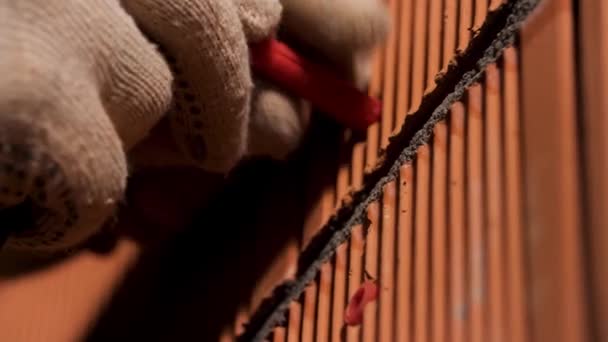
x,y
347,105
367,292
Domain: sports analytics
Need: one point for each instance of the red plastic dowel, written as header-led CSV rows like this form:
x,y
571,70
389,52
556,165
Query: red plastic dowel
x,y
336,97
368,292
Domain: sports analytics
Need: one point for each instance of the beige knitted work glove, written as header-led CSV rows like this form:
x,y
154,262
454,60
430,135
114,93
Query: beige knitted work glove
x,y
82,82
343,31
206,45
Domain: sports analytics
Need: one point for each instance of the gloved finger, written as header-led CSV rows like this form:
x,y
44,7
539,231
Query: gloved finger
x,y
205,44
336,27
260,18
136,90
79,83
63,168
278,122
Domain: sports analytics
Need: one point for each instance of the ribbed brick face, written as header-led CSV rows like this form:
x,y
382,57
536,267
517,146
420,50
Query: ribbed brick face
x,y
482,236
494,231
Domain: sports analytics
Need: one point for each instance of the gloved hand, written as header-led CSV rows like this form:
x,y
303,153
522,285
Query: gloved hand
x,y
84,83
341,32
81,84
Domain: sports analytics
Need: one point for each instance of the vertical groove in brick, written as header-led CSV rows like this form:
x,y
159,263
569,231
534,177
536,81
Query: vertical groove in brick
x,y
404,64
419,51
479,15
439,277
294,321
494,215
387,259
450,29
370,315
433,58
459,309
593,37
517,313
357,244
390,70
475,212
465,23
308,312
340,264
323,303
421,246
278,335
404,314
